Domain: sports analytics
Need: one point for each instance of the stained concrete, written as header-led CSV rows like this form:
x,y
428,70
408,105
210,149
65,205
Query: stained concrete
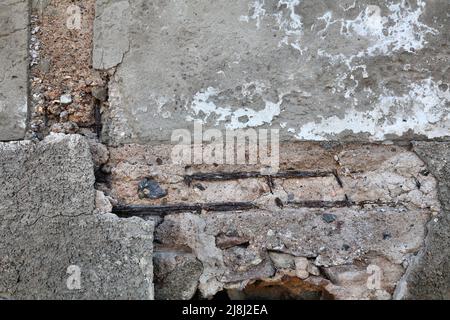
x,y
49,227
316,70
14,19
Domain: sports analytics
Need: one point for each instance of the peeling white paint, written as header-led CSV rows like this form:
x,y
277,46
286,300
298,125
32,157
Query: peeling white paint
x,y
422,110
293,25
286,17
327,19
258,13
353,6
401,30
203,107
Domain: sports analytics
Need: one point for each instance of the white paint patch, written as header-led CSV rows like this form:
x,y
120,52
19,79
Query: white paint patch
x,y
353,6
423,110
203,107
401,30
287,19
293,25
258,13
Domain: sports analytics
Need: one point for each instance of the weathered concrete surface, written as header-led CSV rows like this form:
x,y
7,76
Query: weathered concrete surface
x,y
317,70
48,225
429,275
14,20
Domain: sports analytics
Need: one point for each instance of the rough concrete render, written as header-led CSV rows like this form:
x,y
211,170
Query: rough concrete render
x,y
49,224
14,20
93,205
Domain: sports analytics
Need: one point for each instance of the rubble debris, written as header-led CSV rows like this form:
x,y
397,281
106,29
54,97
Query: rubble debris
x,y
150,189
65,99
329,218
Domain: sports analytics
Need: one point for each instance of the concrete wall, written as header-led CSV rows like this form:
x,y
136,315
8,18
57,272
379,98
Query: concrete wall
x,y
14,20
317,70
336,214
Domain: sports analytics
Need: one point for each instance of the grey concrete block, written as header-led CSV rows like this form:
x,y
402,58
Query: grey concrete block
x,y
14,18
53,245
111,28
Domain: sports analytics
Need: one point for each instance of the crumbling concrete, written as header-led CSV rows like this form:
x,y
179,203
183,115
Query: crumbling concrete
x,y
62,80
53,244
367,214
176,275
364,173
316,70
429,275
349,246
14,19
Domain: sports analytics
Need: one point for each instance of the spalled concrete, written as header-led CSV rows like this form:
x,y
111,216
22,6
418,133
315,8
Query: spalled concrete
x,y
176,275
53,244
356,240
367,173
14,18
317,70
429,275
329,230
